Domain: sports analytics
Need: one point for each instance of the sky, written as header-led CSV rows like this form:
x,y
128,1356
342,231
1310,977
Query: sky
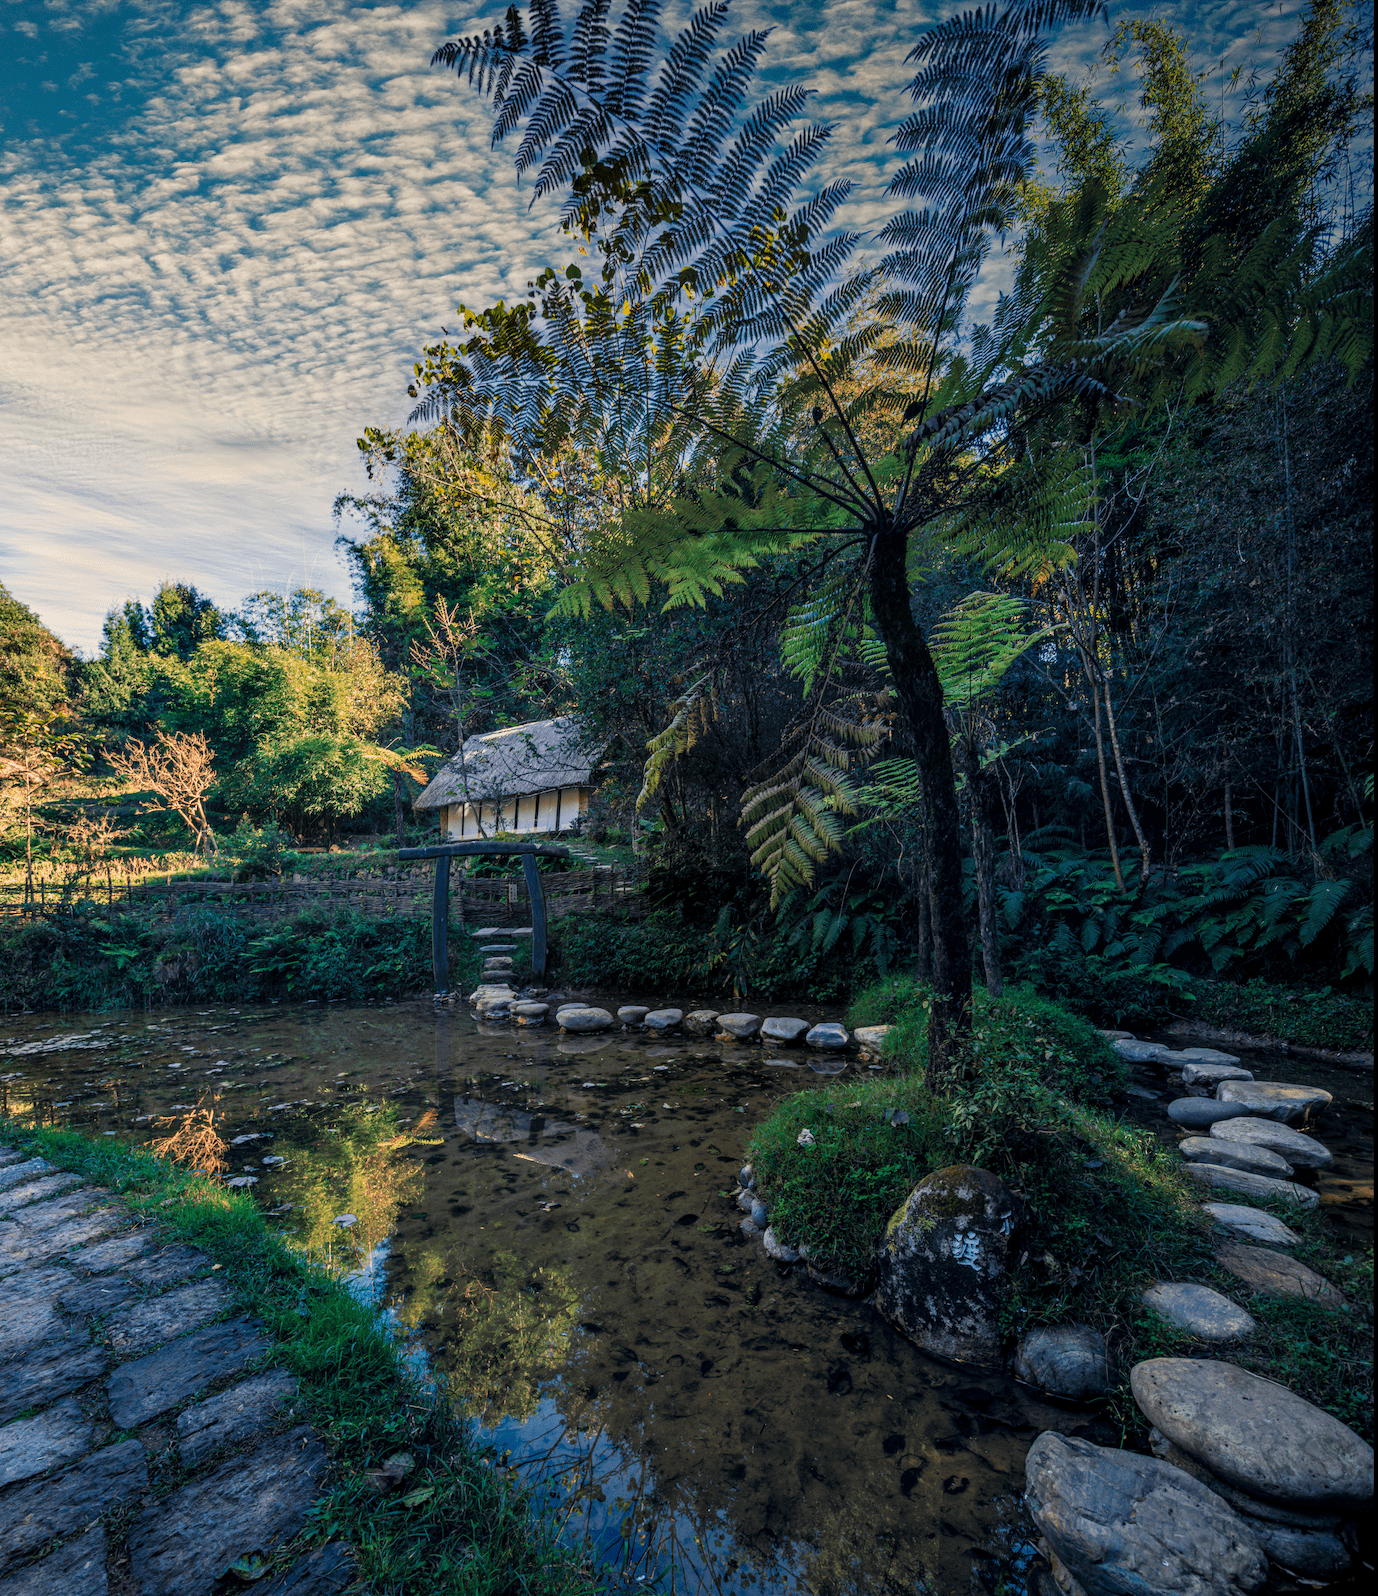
x,y
228,228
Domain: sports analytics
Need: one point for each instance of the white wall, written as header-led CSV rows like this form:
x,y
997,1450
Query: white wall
x,y
532,813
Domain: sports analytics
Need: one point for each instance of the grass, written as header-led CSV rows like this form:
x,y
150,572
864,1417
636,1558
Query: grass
x,y
462,1525
1305,1018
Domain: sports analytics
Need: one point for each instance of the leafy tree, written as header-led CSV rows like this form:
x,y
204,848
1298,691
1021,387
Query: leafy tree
x,y
180,619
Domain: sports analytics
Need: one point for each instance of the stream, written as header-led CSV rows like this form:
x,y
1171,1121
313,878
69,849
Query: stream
x,y
550,1221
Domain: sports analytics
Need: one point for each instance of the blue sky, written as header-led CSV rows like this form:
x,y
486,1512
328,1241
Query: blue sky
x,y
227,228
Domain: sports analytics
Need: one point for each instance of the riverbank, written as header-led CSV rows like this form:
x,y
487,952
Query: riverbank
x,y
286,1436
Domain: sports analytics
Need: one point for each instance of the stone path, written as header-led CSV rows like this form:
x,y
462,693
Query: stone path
x,y
144,1444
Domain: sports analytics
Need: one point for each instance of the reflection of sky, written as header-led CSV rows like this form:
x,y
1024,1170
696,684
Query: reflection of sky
x,y
227,228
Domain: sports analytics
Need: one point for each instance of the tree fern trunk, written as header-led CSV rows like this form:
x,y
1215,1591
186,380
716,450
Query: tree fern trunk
x,y
983,855
921,702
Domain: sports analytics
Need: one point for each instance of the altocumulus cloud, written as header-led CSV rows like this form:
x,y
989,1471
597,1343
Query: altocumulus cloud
x,y
228,228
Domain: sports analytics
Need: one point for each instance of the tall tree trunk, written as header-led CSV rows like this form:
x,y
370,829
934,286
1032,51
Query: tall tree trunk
x,y
1132,812
983,855
924,968
920,696
399,810
1229,816
1105,786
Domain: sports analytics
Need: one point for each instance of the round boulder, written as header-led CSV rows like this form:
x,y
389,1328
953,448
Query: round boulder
x,y
700,1022
1066,1360
1255,1223
1200,1113
1257,1160
1292,1105
738,1027
1199,1311
1256,1435
663,1019
580,1021
943,1263
783,1029
632,1014
1120,1522
830,1037
1300,1150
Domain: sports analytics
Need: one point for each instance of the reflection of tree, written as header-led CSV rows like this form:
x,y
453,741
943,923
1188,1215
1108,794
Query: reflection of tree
x,y
501,1334
355,1168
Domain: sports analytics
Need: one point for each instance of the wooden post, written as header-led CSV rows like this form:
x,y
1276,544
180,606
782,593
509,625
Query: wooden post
x,y
531,871
440,926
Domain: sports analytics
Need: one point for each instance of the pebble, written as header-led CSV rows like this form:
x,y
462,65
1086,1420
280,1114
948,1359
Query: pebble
x,y
783,1028
751,1230
1278,1100
582,1020
632,1014
1262,1188
829,1036
1200,1113
663,1019
1254,1223
1255,1434
700,1022
1257,1160
738,1027
1277,1275
1204,1078
745,1201
1200,1311
747,1178
1300,1150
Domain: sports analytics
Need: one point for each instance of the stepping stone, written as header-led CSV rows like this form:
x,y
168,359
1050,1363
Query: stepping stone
x,y
1275,1099
234,1415
1205,1078
1067,1360
1142,1052
141,1390
484,933
738,1027
33,1446
664,1019
1255,1434
19,1174
582,1020
1206,1055
1200,1311
1262,1188
159,1319
783,1029
1200,1113
1257,1160
829,1037
1254,1223
33,1322
1277,1275
109,1254
182,1545
49,1371
75,1569
1300,1150
871,1038
632,1014
36,1190
701,1022
324,1572
497,967
96,1296
35,1514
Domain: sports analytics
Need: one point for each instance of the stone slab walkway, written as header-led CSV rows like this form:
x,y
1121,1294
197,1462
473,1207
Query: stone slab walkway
x,y
145,1442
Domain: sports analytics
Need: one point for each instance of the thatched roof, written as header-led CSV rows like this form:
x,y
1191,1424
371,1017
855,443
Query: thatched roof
x,y
537,757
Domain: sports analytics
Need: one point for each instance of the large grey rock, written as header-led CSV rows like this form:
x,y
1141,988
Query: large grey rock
x,y
783,1028
48,1371
1066,1360
1142,1052
1234,1155
233,1416
632,1013
75,1569
323,1572
830,1037
141,1390
738,1027
1204,1078
35,1514
33,1446
1200,1311
1262,1188
582,1020
699,1022
943,1263
36,1191
1276,1275
1300,1150
1127,1525
1200,1113
1255,1434
1254,1223
182,1545
158,1319
664,1019
1279,1100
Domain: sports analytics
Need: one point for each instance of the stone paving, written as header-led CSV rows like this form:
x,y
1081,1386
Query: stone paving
x,y
145,1440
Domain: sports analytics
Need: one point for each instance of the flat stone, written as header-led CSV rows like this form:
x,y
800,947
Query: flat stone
x,y
141,1390
783,1028
777,1249
35,1514
1255,1223
1262,1188
830,1037
234,1415
56,1211
531,1011
1278,1100
1206,1077
167,1267
1314,1554
106,1255
1300,1150
33,1446
41,1244
75,1569
632,1013
1200,1311
36,1190
701,1022
182,1545
1200,1113
1120,1522
1256,1160
583,1020
498,962
1206,1055
1276,1275
739,1027
664,1019
159,1319
18,1174
1066,1360
1256,1435
49,1371
1142,1052
96,1296
871,1038
30,1323
323,1572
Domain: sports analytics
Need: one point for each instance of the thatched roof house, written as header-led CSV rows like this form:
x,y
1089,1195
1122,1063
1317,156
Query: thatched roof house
x,y
524,779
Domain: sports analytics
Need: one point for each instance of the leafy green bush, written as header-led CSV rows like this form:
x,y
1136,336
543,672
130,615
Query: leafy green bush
x,y
1310,1019
259,852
